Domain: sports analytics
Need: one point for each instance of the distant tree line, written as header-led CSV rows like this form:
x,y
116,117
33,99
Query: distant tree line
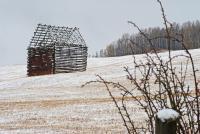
x,y
124,45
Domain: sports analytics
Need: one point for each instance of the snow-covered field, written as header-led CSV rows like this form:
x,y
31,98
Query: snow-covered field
x,y
58,104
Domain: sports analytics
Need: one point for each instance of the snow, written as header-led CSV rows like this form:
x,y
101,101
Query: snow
x,y
167,115
58,104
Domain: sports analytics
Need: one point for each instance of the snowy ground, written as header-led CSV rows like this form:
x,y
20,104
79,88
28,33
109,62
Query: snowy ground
x,y
58,104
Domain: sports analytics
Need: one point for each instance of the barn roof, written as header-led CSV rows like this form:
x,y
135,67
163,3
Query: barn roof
x,y
45,35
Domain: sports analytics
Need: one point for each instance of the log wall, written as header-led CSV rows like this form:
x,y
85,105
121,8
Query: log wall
x,y
56,59
70,58
40,61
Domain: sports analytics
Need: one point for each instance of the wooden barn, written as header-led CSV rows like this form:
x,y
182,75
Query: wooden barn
x,y
55,49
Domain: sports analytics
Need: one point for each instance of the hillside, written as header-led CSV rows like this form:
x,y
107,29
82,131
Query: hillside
x,y
58,104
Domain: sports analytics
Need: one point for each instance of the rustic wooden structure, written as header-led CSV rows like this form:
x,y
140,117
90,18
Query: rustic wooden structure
x,y
56,49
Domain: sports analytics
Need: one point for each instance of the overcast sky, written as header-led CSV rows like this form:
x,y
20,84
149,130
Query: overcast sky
x,y
100,21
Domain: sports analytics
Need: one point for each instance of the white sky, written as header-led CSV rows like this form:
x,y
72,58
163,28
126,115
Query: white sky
x,y
100,21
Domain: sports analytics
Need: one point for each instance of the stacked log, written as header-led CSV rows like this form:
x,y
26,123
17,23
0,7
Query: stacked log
x,y
70,58
40,61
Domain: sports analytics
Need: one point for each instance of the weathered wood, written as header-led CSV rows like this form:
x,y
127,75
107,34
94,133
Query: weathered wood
x,y
40,63
168,123
56,50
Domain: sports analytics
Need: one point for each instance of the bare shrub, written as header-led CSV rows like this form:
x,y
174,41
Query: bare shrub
x,y
161,83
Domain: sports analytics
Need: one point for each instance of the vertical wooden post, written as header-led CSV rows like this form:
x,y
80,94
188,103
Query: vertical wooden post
x,y
54,58
166,121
